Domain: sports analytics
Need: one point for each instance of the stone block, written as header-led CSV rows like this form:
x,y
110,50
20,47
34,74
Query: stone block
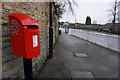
x,y
6,40
13,63
5,6
5,33
10,3
0,57
6,45
18,9
5,23
0,76
0,41
14,70
7,58
19,74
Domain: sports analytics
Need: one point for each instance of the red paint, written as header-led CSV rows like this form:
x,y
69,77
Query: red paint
x,y
22,29
24,19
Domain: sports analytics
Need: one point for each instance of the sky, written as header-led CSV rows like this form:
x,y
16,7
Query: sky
x,y
96,9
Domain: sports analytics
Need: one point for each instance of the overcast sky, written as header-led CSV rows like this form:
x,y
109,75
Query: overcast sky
x,y
96,9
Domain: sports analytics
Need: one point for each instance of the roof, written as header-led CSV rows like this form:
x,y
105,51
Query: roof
x,y
79,24
111,24
23,18
71,24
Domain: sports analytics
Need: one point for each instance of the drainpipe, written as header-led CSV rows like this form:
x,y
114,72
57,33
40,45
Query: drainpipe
x,y
50,33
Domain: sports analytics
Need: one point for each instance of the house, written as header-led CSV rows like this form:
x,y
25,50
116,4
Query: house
x,y
72,25
96,26
117,25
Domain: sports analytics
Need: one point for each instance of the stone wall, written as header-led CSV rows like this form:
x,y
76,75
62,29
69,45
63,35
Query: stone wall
x,y
55,28
12,66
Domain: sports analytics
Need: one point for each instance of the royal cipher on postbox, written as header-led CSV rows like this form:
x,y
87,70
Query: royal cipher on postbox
x,y
24,34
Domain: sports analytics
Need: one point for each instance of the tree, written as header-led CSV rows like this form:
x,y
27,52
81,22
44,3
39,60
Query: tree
x,y
88,20
114,14
118,16
59,10
94,22
63,6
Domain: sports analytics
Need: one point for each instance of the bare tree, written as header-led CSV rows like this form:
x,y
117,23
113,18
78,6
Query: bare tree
x,y
114,14
66,6
119,16
94,22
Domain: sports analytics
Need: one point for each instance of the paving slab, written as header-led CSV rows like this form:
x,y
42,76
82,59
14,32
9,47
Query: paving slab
x,y
81,74
84,55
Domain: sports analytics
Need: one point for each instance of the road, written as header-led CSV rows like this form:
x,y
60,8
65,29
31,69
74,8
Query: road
x,y
100,63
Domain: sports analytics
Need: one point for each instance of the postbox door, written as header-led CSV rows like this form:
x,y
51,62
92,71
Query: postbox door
x,y
32,42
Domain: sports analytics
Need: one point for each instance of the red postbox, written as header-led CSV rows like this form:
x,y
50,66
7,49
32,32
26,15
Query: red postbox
x,y
24,34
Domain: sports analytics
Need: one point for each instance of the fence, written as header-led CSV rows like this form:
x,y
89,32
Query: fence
x,y
106,40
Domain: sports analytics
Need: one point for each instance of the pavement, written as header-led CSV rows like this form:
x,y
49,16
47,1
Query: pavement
x,y
99,62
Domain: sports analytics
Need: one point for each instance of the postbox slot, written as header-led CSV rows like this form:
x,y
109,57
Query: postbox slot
x,y
31,27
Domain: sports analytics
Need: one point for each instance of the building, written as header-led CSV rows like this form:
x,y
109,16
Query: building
x,y
12,66
72,25
78,24
111,25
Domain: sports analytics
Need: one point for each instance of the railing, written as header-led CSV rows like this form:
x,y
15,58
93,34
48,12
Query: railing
x,y
106,40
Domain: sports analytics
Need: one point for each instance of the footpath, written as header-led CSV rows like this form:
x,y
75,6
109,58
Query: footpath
x,y
76,58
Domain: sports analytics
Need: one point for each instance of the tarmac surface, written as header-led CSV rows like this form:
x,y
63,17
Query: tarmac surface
x,y
99,63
